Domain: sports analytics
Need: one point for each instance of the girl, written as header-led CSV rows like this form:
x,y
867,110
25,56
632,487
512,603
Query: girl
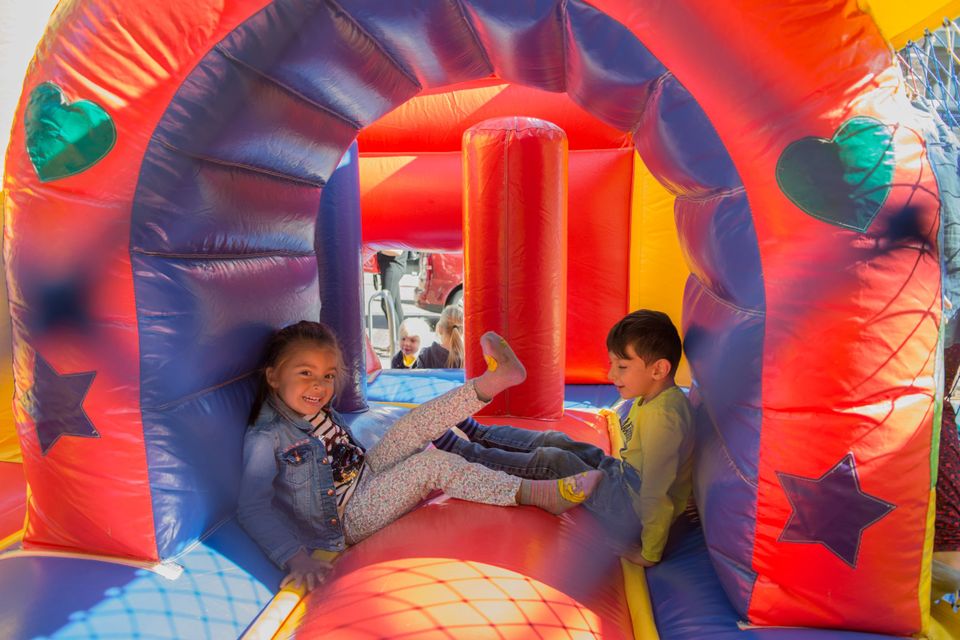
x,y
308,484
412,331
449,351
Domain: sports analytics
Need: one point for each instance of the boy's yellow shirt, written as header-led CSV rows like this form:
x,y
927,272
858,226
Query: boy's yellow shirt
x,y
658,442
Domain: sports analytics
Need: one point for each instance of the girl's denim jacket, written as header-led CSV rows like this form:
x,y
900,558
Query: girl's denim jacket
x,y
287,499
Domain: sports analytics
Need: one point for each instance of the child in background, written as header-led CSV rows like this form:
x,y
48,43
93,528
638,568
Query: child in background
x,y
308,484
412,331
655,475
448,353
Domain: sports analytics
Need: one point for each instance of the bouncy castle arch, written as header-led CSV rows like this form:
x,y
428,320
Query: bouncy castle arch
x,y
191,220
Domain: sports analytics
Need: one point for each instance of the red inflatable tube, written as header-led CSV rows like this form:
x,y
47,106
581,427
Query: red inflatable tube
x,y
515,221
399,212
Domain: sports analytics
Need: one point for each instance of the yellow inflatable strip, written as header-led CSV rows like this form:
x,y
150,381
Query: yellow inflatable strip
x,y
274,615
12,539
638,601
17,536
634,579
944,624
613,429
405,405
282,615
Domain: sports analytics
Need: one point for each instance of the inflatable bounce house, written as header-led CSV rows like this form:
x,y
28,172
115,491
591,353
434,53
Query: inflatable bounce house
x,y
184,178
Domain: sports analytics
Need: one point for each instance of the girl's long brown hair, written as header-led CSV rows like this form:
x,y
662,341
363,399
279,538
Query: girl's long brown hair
x,y
451,324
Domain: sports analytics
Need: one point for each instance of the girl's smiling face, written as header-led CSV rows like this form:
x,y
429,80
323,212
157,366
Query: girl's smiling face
x,y
304,378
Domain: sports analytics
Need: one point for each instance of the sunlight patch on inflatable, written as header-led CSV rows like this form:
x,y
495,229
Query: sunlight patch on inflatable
x,y
443,596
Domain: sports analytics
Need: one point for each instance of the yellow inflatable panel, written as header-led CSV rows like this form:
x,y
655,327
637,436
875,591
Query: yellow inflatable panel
x,y
9,443
900,21
658,271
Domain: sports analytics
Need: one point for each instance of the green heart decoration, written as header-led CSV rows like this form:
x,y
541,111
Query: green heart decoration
x,y
844,180
65,138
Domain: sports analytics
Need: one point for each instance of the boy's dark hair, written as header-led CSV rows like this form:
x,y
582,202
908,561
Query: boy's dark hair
x,y
652,336
313,333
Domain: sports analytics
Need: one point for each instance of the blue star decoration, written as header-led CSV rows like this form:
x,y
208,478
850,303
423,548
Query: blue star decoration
x,y
56,404
831,510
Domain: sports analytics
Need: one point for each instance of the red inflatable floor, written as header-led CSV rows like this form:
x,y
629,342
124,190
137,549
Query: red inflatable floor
x,y
461,570
452,569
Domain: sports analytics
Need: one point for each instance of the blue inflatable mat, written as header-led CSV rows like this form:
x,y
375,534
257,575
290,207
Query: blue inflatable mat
x,y
412,386
225,583
689,603
415,386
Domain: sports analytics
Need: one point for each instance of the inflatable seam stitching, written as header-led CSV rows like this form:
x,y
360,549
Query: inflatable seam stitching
x,y
564,19
714,195
756,313
239,165
386,53
213,257
473,32
196,394
260,73
726,453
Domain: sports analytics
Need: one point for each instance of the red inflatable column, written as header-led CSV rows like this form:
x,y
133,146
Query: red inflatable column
x,y
515,250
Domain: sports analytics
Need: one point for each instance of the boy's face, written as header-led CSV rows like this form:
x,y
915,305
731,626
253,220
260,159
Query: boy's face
x,y
633,377
304,379
409,344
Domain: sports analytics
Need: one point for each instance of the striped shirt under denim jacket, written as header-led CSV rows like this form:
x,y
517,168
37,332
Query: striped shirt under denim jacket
x,y
288,498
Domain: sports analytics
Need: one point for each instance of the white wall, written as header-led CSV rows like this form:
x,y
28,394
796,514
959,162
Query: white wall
x,y
21,24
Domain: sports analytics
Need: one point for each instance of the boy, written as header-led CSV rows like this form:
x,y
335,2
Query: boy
x,y
654,476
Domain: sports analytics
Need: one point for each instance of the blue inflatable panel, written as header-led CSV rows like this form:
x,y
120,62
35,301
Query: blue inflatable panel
x,y
611,70
588,397
718,236
689,604
340,276
225,583
412,386
415,386
369,426
357,81
686,153
724,344
431,40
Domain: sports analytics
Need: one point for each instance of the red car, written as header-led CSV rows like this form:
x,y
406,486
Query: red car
x,y
441,277
441,281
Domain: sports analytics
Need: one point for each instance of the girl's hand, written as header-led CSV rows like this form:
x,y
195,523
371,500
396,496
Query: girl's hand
x,y
305,571
635,555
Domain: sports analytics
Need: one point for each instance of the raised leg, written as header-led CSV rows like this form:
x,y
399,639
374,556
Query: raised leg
x,y
383,497
428,421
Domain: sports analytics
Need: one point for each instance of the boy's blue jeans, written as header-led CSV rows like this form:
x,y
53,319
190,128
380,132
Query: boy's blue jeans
x,y
547,455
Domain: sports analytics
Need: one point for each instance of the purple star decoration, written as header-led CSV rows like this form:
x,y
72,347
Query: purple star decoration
x,y
831,510
56,404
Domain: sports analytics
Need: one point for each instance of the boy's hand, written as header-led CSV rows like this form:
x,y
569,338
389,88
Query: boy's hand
x,y
635,555
305,571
